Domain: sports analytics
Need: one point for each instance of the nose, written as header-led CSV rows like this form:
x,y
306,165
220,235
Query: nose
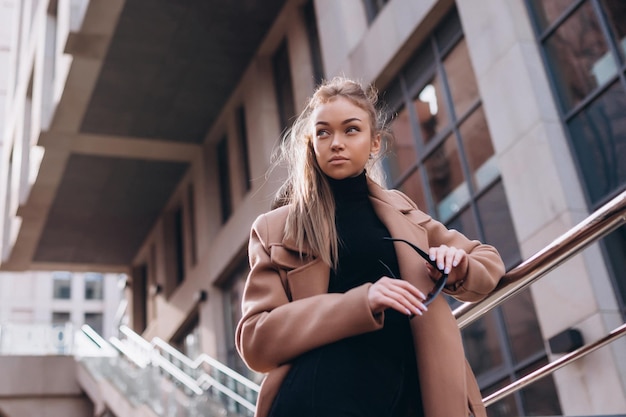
x,y
337,142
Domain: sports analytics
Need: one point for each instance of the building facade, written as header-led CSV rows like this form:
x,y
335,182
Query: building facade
x,y
122,155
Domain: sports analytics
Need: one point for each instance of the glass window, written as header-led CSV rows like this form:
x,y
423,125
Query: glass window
x,y
445,177
461,78
94,286
479,149
507,406
616,14
373,7
482,344
498,226
95,321
60,317
598,136
579,63
62,285
412,187
540,398
430,108
445,161
404,155
547,11
520,319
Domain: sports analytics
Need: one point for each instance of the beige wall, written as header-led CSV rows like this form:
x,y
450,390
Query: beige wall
x,y
42,386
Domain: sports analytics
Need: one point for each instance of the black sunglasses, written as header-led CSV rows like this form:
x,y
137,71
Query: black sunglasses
x,y
441,282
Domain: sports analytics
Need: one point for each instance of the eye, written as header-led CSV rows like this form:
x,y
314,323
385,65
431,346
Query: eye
x,y
322,133
352,129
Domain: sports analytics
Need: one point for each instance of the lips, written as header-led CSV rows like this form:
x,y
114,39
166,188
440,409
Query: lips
x,y
338,158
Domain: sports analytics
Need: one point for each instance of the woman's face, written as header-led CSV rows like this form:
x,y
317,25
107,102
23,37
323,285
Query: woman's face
x,y
342,138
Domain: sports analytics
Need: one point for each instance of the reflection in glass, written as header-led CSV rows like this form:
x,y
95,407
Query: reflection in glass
x,y
546,11
403,155
616,13
540,398
412,187
447,184
479,149
599,138
461,78
497,224
431,109
482,346
522,326
579,57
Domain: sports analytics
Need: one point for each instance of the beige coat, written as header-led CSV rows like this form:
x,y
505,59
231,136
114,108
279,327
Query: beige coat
x,y
287,310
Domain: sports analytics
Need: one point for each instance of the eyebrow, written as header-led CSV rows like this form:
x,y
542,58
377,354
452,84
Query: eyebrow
x,y
345,122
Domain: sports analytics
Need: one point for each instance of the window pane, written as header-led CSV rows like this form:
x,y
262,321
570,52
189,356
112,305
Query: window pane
x,y
615,244
616,13
403,155
412,186
599,139
522,326
479,149
546,11
540,398
62,285
580,63
94,320
465,224
506,407
461,78
448,31
447,185
94,287
482,344
431,109
498,226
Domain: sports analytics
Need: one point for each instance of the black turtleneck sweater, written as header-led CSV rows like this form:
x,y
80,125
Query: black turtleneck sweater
x,y
365,375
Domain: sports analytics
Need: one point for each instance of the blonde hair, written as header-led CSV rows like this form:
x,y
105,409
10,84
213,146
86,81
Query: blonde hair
x,y
311,217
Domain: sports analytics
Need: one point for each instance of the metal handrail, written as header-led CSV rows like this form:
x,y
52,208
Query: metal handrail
x,y
202,359
195,385
555,365
597,225
600,223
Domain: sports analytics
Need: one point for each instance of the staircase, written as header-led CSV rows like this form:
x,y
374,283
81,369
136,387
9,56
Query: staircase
x,y
130,376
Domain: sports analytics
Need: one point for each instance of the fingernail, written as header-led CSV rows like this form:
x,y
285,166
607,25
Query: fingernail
x,y
447,270
408,312
455,263
432,257
440,266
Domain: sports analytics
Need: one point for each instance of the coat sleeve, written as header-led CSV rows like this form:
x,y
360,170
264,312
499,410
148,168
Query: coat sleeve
x,y
274,331
485,266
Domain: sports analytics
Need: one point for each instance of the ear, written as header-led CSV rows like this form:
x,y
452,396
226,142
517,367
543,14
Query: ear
x,y
375,145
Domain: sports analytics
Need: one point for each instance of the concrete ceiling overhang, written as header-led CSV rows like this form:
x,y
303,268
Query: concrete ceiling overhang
x,y
115,155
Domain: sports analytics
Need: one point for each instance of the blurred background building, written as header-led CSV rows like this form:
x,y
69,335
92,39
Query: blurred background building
x,y
136,137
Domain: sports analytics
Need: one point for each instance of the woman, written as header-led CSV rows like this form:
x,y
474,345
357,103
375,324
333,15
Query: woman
x,y
323,315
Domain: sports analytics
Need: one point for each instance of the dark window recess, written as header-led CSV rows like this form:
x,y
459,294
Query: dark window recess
x,y
191,209
282,82
180,245
372,8
223,172
242,136
314,41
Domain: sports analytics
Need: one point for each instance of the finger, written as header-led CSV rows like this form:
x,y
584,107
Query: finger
x,y
441,257
458,257
403,300
449,259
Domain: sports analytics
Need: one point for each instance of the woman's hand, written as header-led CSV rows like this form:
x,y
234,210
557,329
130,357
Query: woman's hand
x,y
451,260
397,294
